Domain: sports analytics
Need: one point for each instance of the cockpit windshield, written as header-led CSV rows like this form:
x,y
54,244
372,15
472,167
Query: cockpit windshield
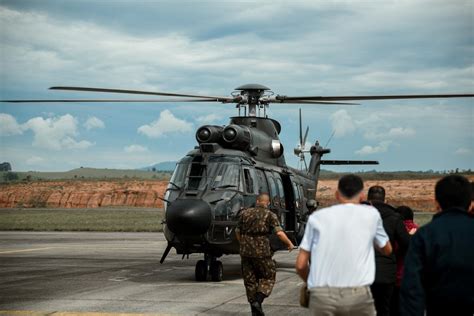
x,y
219,173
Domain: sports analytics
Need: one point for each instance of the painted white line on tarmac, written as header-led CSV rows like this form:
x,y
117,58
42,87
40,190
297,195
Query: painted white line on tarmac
x,y
25,250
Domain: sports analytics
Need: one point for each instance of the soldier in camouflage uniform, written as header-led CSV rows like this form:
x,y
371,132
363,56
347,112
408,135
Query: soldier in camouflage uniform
x,y
258,268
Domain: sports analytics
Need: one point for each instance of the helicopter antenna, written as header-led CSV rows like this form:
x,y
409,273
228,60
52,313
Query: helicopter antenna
x,y
333,132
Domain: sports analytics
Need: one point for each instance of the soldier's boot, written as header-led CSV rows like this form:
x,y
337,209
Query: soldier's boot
x,y
257,305
254,311
257,309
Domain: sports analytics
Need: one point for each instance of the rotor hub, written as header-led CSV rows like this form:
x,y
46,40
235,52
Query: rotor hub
x,y
252,96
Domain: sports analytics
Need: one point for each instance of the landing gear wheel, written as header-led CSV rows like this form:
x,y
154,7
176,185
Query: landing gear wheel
x,y
217,271
201,271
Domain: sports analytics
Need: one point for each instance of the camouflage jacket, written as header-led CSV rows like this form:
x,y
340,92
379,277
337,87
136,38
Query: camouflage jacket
x,y
255,224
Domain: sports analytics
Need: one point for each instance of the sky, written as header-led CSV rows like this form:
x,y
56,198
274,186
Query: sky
x,y
211,47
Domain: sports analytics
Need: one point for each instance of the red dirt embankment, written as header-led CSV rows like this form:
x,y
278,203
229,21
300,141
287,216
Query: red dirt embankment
x,y
83,194
418,194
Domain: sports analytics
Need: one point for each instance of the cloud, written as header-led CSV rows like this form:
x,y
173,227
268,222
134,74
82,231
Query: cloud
x,y
135,149
165,124
370,150
342,123
45,44
208,119
71,143
397,132
380,132
9,126
94,122
373,126
34,160
463,151
56,132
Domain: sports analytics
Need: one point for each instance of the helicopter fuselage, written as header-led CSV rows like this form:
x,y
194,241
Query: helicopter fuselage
x,y
205,200
215,181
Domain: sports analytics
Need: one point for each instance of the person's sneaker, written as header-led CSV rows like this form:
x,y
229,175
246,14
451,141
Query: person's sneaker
x,y
257,308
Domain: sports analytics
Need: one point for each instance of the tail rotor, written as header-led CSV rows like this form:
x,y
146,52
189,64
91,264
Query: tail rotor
x,y
300,150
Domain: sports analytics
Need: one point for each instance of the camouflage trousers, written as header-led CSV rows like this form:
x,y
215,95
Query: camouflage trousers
x,y
259,276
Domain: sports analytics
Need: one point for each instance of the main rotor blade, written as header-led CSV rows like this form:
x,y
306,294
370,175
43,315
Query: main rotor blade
x,y
310,102
107,100
349,162
372,97
169,94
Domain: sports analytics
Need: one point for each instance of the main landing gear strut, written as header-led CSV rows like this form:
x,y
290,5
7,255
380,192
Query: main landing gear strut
x,y
210,266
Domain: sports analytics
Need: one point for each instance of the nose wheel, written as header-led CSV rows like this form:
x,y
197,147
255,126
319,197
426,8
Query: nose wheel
x,y
209,267
217,271
201,271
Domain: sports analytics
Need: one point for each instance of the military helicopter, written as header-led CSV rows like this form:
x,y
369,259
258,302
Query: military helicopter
x,y
231,165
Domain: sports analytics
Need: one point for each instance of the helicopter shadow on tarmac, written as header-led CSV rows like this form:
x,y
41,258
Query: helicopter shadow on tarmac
x,y
182,271
178,272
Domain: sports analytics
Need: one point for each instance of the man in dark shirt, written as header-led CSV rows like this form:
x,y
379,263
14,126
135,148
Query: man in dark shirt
x,y
439,266
258,268
386,265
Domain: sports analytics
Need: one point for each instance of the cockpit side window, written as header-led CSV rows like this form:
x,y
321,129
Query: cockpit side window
x,y
225,176
196,173
180,172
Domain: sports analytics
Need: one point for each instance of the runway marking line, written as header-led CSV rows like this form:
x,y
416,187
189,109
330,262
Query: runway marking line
x,y
42,313
59,247
25,250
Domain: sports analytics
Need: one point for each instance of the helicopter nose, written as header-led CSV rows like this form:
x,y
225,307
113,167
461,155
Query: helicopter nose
x,y
188,217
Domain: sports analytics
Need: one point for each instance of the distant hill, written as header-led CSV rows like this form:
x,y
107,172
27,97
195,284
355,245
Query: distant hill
x,y
84,173
161,166
164,170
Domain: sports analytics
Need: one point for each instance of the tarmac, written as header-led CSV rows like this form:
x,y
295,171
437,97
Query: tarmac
x,y
89,273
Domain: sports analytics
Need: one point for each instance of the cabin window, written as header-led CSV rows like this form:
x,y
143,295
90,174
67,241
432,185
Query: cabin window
x,y
273,187
281,192
302,193
262,182
296,192
250,181
297,195
280,188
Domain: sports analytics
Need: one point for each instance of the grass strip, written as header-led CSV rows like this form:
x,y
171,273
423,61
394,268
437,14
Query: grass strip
x,y
105,220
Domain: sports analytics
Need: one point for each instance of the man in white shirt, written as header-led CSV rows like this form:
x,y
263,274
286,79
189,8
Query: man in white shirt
x,y
336,256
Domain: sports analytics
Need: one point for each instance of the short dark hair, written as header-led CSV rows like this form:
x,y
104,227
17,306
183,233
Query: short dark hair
x,y
405,212
376,193
453,191
350,185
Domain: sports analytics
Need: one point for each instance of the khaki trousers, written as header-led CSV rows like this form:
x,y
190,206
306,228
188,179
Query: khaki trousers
x,y
332,301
